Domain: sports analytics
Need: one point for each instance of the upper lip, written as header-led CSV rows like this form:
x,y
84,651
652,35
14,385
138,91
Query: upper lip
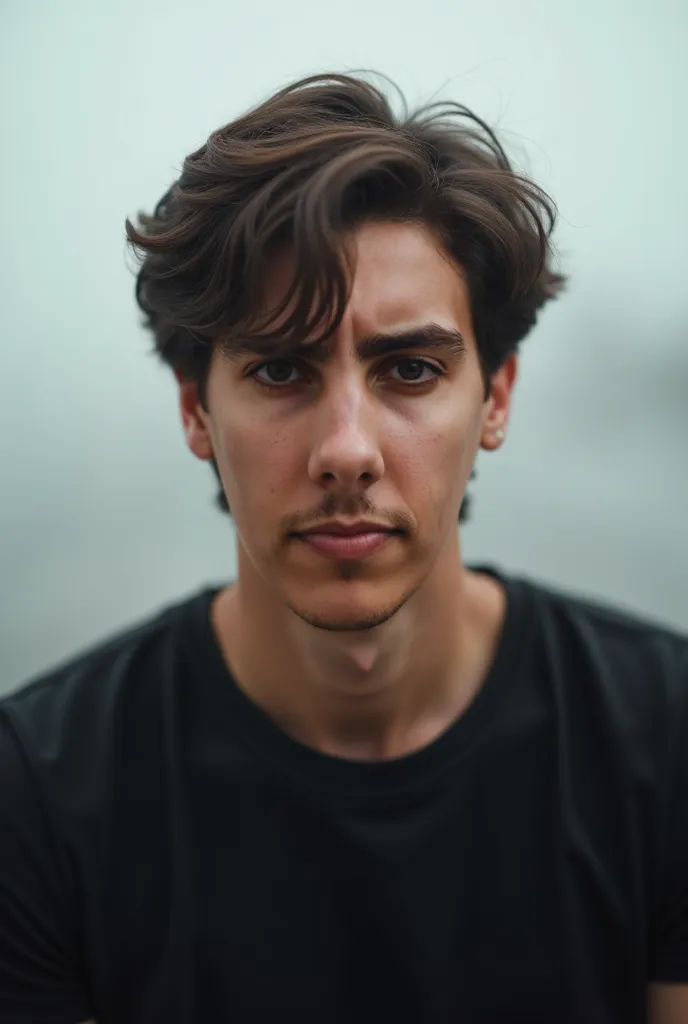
x,y
348,529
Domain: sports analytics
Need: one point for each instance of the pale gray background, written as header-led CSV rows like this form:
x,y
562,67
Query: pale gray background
x,y
105,516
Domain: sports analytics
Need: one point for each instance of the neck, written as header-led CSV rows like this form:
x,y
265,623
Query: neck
x,y
372,694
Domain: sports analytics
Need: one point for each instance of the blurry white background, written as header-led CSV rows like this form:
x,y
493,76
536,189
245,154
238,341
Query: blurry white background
x,y
105,516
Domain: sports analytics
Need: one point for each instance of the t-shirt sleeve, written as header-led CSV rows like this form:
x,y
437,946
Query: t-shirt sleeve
x,y
669,946
39,974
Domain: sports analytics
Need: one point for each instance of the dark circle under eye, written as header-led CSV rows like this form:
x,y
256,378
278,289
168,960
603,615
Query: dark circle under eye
x,y
279,370
410,369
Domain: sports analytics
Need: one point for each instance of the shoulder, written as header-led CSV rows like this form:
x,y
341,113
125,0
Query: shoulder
x,y
72,743
611,666
608,636
66,720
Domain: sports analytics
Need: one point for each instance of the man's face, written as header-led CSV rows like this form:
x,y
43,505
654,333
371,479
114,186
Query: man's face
x,y
355,432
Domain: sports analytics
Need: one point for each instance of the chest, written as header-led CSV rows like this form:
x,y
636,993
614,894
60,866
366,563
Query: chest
x,y
477,899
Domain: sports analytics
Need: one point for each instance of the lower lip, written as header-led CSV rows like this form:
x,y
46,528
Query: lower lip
x,y
358,545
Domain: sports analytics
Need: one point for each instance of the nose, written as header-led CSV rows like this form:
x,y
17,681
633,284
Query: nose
x,y
345,454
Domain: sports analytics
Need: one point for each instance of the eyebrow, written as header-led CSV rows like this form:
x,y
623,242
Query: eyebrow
x,y
428,336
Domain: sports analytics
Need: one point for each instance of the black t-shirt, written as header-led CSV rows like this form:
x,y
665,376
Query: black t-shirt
x,y
167,854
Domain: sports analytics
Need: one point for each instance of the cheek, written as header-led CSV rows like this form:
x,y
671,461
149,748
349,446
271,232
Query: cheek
x,y
255,464
436,453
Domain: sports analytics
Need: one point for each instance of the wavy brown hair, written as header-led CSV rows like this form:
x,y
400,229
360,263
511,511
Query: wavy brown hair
x,y
304,168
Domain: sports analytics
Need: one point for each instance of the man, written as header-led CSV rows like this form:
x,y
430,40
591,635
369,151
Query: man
x,y
363,782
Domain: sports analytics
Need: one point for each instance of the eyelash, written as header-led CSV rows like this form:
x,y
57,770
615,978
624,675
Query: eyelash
x,y
436,371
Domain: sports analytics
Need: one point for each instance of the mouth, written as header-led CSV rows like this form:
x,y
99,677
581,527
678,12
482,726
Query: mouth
x,y
345,542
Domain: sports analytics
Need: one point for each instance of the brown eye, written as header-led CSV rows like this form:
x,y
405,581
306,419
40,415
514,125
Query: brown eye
x,y
412,371
277,371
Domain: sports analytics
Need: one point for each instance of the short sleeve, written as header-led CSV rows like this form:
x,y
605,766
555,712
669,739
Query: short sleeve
x,y
669,942
39,976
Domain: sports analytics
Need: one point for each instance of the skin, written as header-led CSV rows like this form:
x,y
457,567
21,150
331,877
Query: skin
x,y
354,437
374,658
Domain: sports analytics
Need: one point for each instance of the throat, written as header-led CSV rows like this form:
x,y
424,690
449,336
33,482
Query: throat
x,y
358,695
365,657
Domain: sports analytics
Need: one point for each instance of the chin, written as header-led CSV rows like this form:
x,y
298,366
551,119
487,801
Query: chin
x,y
362,606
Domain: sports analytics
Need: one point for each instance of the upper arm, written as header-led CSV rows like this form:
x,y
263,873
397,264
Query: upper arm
x,y
39,977
668,1004
668,962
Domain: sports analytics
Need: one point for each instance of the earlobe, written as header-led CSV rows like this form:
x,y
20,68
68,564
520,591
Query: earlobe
x,y
198,440
194,421
497,409
493,438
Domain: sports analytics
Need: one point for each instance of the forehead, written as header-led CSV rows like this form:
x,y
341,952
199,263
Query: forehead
x,y
402,277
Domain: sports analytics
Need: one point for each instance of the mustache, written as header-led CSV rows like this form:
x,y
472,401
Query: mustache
x,y
347,507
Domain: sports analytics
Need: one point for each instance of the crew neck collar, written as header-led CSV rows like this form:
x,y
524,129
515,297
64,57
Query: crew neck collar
x,y
388,779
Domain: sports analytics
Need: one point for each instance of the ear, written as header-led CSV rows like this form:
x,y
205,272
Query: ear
x,y
497,406
195,419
